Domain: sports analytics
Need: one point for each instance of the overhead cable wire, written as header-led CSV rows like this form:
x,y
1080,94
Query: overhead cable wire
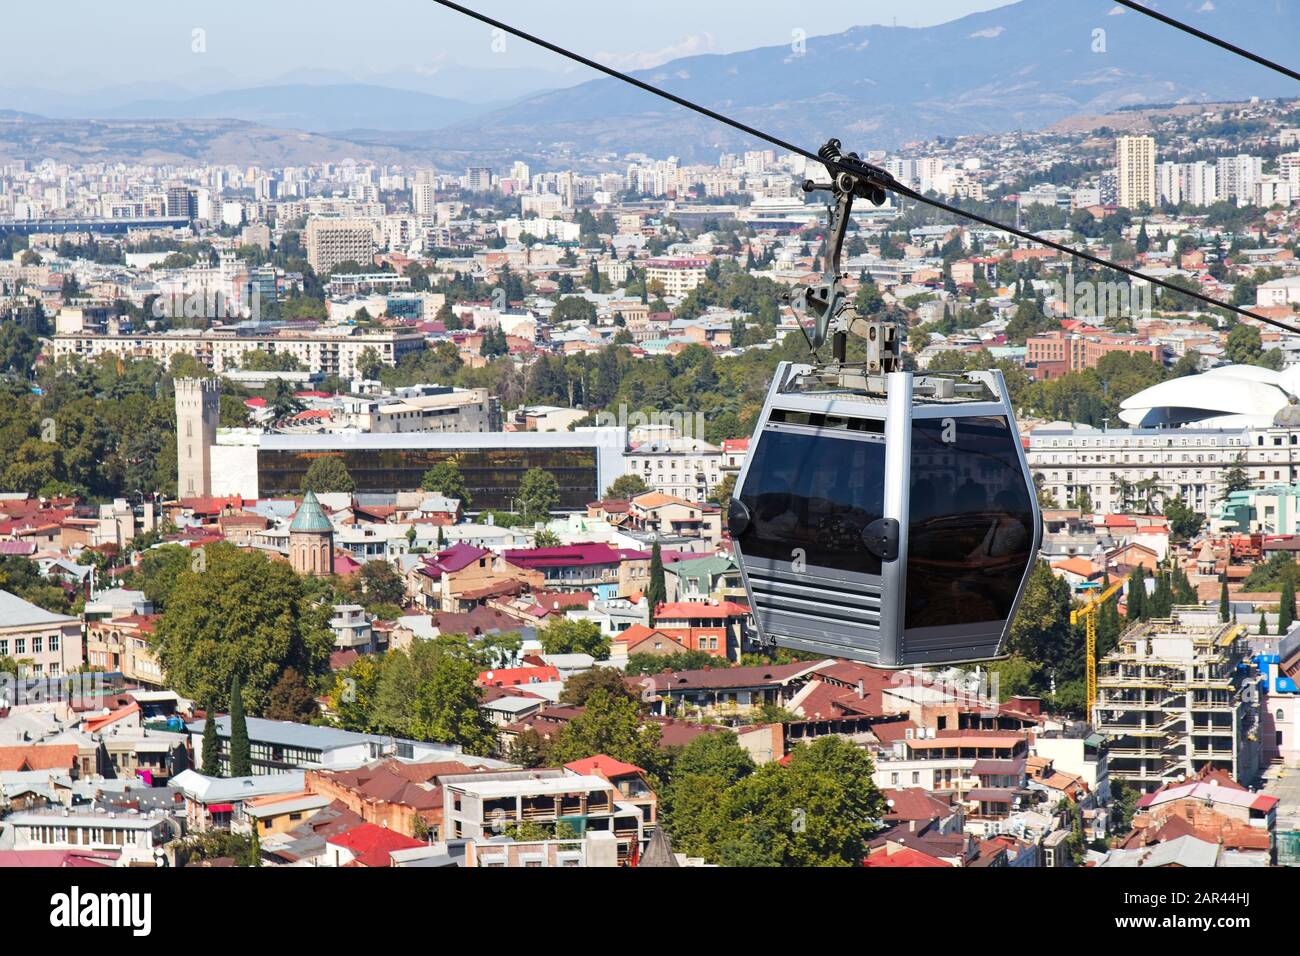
x,y
1208,37
874,175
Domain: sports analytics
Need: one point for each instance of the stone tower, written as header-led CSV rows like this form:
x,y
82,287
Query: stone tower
x,y
198,410
311,539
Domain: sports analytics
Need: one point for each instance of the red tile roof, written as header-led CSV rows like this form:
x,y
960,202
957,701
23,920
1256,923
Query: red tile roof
x,y
517,676
904,858
38,757
371,844
603,766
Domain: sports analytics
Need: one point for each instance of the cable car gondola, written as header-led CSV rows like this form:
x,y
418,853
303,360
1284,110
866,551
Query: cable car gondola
x,y
880,515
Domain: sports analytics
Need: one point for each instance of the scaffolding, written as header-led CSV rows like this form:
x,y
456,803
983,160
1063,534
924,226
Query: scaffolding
x,y
1174,696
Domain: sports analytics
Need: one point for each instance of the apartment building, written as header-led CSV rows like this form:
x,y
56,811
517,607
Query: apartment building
x,y
331,242
1053,354
479,806
138,838
432,409
278,746
685,468
678,275
121,645
47,644
1136,158
329,350
1177,696
949,761
1191,462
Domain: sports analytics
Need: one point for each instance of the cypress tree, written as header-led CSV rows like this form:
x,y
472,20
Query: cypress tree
x,y
1137,592
1263,624
211,743
241,761
1223,600
657,592
1286,608
255,847
1162,599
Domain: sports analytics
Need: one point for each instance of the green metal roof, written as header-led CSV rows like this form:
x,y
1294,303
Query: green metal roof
x,y
311,517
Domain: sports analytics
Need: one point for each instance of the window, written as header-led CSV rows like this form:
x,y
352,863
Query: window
x,y
816,492
971,526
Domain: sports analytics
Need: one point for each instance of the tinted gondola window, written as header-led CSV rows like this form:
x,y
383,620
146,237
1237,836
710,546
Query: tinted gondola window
x,y
814,493
970,530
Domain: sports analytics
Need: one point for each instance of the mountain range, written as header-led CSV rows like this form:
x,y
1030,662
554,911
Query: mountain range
x,y
1025,65
1022,66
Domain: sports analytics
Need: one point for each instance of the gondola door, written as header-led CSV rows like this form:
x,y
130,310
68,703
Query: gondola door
x,y
973,534
816,526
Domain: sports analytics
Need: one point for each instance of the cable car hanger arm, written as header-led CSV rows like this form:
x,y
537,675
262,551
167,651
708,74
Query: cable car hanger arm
x,y
873,175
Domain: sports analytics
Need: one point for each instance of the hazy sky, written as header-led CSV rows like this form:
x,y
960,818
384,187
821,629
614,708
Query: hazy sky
x,y
82,45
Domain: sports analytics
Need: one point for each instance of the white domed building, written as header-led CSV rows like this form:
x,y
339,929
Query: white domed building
x,y
1230,396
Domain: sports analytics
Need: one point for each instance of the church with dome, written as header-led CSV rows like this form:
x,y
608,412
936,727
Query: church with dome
x,y
311,539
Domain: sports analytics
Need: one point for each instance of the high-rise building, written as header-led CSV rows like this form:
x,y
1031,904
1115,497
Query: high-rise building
x,y
1238,176
424,195
198,410
333,241
1177,696
478,179
1136,158
1193,184
182,201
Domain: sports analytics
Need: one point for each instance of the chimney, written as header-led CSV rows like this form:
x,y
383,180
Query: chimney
x,y
862,688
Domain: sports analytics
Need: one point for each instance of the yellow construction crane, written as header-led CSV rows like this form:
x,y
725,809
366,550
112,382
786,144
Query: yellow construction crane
x,y
1089,614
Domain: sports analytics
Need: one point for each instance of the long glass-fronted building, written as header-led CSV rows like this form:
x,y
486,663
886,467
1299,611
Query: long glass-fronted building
x,y
583,462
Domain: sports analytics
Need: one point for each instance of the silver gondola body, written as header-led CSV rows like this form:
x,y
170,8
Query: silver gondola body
x,y
889,528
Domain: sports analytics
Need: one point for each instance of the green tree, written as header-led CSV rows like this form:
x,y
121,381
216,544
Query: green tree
x,y
1184,523
1224,612
717,754
1235,478
657,590
569,636
581,685
528,749
539,494
1041,633
328,475
1137,595
159,570
610,724
241,758
291,699
1286,605
448,708
211,766
445,479
1244,345
239,612
377,584
819,810
626,487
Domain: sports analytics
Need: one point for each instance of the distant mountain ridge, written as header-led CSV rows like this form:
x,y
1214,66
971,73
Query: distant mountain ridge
x,y
1025,65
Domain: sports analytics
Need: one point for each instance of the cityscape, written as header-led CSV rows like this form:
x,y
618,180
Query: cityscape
x,y
365,508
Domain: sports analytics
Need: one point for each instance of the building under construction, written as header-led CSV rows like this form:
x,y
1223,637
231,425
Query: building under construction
x,y
1177,695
